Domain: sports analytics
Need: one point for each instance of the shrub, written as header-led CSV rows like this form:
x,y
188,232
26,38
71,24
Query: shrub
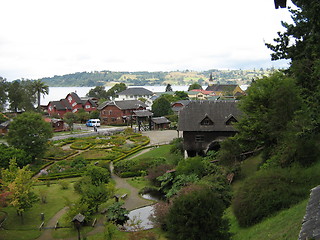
x,y
197,214
270,191
194,165
130,174
137,165
177,146
7,153
78,163
64,184
157,171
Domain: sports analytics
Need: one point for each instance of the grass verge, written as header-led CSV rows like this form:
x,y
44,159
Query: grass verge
x,y
285,225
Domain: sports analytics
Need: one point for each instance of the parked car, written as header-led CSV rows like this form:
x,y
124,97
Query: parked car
x,y
93,123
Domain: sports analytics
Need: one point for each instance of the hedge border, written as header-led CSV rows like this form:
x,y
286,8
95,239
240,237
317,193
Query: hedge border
x,y
133,151
61,176
62,158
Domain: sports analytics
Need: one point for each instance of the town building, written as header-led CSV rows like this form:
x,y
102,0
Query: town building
x,y
72,103
206,123
119,112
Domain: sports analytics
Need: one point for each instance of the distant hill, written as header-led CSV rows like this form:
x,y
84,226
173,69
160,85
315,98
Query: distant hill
x,y
105,78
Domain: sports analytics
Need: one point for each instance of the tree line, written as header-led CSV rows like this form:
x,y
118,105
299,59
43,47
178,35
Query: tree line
x,y
21,95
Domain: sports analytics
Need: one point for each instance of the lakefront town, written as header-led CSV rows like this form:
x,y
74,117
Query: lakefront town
x,y
213,155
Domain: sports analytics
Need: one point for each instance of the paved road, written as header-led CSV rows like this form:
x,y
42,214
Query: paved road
x,y
91,132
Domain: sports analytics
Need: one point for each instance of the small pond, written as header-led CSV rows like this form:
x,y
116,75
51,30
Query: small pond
x,y
142,215
153,195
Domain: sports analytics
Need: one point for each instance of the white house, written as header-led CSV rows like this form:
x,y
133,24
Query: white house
x,y
135,94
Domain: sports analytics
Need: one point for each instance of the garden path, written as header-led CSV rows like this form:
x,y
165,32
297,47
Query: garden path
x,y
133,200
46,233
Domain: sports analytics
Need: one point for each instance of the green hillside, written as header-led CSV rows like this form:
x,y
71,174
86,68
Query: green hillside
x,y
105,78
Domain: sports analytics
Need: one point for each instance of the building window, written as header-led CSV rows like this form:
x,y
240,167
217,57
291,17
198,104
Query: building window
x,y
110,112
199,138
231,120
73,104
70,99
87,106
206,122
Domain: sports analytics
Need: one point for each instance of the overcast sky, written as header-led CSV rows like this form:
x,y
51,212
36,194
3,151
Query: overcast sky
x,y
42,38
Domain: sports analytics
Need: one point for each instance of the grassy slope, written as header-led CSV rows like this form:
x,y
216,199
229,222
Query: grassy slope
x,y
284,225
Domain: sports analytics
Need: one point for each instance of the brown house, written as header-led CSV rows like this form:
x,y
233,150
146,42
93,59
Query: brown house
x,y
57,124
119,112
160,123
206,123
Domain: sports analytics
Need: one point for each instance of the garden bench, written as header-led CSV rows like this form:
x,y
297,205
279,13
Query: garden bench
x,y
124,196
57,225
94,222
41,226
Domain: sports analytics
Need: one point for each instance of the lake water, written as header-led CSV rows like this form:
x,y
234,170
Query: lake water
x,y
140,216
57,93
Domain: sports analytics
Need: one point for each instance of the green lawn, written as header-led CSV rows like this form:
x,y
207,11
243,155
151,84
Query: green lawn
x,y
29,229
138,182
161,151
248,168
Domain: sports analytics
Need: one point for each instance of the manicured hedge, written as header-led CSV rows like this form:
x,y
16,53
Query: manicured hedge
x,y
131,174
60,176
62,158
79,145
36,170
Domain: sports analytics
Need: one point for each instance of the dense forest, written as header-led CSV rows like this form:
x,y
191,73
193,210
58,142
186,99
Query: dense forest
x,y
187,77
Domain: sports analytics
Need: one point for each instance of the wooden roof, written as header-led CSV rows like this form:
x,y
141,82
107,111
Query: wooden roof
x,y
124,104
143,113
135,92
160,120
208,116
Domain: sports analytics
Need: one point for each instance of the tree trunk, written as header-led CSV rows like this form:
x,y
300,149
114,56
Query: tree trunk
x,y
39,96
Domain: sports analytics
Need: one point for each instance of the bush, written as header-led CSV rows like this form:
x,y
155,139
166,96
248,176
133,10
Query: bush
x,y
137,165
7,153
270,191
131,174
64,184
197,214
177,146
157,171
